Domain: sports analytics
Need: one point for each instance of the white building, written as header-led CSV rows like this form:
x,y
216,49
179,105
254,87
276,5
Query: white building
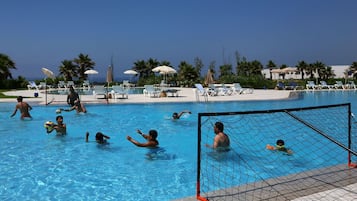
x,y
338,70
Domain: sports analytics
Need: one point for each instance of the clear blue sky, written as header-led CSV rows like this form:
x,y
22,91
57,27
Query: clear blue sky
x,y
43,33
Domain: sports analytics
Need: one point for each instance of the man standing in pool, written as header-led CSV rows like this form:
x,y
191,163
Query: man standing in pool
x,y
221,140
72,97
151,139
23,107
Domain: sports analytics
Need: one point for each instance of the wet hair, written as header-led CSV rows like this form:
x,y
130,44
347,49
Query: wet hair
x,y
280,142
153,134
58,117
175,115
99,137
219,126
19,98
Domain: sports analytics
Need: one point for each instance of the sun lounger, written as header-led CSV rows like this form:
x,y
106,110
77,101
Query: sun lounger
x,y
324,85
311,85
32,85
119,91
149,90
238,89
99,90
339,85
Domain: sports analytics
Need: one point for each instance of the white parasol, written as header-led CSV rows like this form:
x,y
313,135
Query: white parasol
x,y
90,72
164,70
130,72
48,73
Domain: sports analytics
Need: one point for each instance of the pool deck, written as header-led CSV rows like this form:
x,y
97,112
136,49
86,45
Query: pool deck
x,y
184,95
341,192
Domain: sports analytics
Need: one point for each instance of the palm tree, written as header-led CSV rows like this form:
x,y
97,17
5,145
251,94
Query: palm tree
x,y
5,65
302,67
271,65
140,67
68,69
353,69
83,63
187,73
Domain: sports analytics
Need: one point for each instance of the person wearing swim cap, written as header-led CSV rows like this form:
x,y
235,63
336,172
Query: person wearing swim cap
x,y
23,107
280,146
221,141
151,139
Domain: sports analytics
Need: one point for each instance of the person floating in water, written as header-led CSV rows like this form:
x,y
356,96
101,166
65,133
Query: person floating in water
x,y
100,138
151,139
60,127
176,115
23,107
221,141
280,146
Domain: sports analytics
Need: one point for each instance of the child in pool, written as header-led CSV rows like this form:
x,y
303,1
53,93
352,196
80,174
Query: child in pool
x,y
280,146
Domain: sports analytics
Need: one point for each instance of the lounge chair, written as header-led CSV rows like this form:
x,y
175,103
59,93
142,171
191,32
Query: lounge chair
x,y
149,90
86,84
99,90
291,86
70,83
61,84
200,91
119,90
311,85
238,89
351,85
324,85
339,85
32,85
280,86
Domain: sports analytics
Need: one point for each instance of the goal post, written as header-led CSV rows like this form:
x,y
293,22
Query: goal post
x,y
318,137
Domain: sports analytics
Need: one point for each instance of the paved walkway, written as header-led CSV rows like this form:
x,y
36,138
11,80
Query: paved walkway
x,y
184,95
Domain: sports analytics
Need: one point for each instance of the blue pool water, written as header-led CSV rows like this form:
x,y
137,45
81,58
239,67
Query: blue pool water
x,y
38,166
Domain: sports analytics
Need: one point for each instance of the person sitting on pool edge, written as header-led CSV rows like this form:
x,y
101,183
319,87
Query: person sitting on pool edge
x,y
151,139
100,138
280,146
175,115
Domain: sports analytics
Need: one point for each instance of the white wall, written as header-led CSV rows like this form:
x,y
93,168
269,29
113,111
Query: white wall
x,y
338,70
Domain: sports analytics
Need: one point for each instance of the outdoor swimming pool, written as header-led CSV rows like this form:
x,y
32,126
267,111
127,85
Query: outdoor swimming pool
x,y
37,166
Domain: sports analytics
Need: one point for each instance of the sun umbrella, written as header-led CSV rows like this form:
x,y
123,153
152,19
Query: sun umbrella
x,y
130,72
90,72
209,78
110,75
49,74
164,70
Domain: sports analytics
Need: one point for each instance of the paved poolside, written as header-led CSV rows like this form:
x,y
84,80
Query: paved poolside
x,y
184,95
189,95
